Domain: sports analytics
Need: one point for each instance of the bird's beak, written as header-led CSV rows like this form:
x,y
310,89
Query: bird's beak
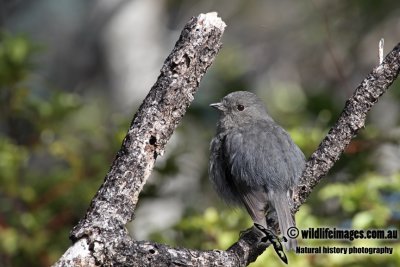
x,y
218,106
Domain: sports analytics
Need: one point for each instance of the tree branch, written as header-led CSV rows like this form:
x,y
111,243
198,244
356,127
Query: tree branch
x,y
153,124
101,237
349,123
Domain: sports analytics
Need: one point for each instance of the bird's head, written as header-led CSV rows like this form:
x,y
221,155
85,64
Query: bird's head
x,y
241,107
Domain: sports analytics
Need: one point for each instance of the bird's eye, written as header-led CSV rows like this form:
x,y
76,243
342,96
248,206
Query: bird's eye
x,y
240,107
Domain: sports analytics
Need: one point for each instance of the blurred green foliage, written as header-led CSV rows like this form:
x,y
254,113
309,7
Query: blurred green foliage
x,y
51,158
15,58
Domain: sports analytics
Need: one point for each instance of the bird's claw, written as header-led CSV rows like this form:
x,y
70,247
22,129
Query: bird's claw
x,y
270,236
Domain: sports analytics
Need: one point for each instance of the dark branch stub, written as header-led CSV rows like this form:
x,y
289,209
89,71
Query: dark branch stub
x,y
153,140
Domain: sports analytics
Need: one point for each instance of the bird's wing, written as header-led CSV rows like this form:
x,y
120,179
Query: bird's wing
x,y
219,172
256,203
263,155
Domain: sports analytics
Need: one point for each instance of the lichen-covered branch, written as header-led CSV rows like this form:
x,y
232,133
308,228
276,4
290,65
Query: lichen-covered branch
x,y
152,126
349,123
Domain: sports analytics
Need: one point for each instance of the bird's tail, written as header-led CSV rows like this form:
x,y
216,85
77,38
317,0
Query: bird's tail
x,y
285,219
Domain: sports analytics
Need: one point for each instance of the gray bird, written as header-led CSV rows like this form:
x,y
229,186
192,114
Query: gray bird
x,y
254,163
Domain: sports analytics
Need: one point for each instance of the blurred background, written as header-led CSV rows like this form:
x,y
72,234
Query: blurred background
x,y
73,73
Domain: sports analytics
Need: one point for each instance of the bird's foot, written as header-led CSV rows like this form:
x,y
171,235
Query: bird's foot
x,y
270,236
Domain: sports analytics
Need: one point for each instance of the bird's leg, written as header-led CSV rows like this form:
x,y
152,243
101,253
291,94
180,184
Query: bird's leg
x,y
271,218
267,233
244,232
270,236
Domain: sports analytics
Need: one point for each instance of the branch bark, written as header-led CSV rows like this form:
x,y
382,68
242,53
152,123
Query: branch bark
x,y
349,123
103,227
101,237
